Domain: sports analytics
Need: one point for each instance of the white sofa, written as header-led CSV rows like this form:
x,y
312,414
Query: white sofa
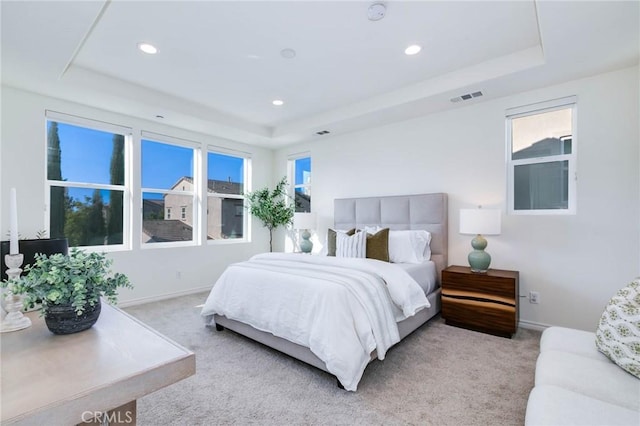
x,y
575,384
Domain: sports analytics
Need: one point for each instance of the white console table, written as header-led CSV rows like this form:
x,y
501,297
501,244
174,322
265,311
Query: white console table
x,y
50,379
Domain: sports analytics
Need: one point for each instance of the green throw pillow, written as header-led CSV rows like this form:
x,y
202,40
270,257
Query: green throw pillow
x,y
618,333
331,240
378,245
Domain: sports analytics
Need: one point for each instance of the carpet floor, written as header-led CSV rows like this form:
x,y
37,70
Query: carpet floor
x,y
439,375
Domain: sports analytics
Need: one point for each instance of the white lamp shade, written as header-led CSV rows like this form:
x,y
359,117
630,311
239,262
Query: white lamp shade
x,y
304,221
480,221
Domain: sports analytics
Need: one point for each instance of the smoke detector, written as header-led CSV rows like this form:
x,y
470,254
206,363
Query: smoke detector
x,y
376,11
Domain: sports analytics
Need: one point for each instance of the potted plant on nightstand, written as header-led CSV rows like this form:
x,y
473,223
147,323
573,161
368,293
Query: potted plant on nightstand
x,y
69,288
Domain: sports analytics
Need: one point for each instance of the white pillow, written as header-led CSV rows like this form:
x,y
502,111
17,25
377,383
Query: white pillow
x,y
372,229
410,246
351,246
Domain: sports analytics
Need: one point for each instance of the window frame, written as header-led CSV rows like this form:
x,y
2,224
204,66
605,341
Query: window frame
x,y
246,176
195,194
88,123
292,177
534,109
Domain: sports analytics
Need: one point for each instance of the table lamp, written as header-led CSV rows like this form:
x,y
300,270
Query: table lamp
x,y
305,221
479,222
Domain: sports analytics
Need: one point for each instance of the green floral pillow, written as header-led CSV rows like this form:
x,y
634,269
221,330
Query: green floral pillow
x,y
618,334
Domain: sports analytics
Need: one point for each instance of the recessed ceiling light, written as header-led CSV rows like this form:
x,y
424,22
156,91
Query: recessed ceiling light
x,y
413,49
278,102
148,48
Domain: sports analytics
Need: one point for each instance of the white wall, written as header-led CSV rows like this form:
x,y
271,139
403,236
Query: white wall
x,y
152,271
576,262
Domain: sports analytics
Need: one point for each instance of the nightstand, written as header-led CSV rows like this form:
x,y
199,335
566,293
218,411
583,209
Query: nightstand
x,y
486,302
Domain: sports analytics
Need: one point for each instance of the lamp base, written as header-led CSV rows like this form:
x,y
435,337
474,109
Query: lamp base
x,y
479,260
306,245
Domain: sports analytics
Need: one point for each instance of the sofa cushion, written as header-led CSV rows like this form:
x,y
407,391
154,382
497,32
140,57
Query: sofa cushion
x,y
594,378
618,333
551,405
571,340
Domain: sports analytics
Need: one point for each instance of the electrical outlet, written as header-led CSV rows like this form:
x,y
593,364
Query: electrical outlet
x,y
534,297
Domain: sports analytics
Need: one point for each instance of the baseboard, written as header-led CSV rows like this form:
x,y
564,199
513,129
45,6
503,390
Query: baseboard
x,y
533,325
523,323
165,296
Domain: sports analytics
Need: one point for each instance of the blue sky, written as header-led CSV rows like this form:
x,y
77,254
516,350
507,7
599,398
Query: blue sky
x,y
302,165
86,157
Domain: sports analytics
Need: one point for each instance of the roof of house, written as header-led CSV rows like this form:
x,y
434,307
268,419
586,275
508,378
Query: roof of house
x,y
542,148
217,186
160,231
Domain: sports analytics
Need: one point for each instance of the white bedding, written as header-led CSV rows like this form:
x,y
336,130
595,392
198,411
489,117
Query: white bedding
x,y
424,273
341,308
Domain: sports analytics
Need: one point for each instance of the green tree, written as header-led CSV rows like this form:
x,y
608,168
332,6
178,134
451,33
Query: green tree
x,y
54,172
273,208
114,214
76,219
95,220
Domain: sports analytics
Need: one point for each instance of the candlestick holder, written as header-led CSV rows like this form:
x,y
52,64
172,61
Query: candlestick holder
x,y
12,303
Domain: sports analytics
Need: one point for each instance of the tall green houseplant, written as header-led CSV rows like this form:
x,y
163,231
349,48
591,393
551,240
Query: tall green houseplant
x,y
274,208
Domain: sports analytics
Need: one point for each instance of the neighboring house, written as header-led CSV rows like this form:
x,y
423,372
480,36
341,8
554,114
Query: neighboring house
x,y
303,202
225,216
545,148
538,184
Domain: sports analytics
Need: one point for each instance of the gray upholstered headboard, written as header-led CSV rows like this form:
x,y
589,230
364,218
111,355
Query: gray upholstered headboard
x,y
423,211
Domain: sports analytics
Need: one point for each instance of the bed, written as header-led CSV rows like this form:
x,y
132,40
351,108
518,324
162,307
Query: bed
x,y
298,327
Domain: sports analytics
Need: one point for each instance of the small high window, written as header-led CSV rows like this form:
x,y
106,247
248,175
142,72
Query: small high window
x,y
300,178
542,158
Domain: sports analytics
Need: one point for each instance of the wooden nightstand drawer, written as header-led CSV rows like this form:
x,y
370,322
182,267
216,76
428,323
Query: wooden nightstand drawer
x,y
483,302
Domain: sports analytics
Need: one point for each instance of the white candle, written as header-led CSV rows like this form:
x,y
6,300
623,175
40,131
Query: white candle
x,y
13,218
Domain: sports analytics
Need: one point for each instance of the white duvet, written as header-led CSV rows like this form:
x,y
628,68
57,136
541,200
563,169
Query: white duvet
x,y
340,308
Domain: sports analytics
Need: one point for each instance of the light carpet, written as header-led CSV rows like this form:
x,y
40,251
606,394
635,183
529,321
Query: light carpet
x,y
439,375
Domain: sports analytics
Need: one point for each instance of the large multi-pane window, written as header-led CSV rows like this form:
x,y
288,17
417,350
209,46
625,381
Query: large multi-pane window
x,y
542,158
225,196
169,208
87,181
300,175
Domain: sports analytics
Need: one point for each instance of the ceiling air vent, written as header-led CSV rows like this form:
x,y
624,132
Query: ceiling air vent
x,y
466,97
322,132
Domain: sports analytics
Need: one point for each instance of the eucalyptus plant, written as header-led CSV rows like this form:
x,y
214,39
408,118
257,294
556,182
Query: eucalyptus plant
x,y
274,208
77,279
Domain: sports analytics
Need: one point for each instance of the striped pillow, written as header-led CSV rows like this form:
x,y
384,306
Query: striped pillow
x,y
351,246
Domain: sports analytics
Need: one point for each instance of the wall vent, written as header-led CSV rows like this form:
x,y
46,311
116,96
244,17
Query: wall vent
x,y
466,97
323,132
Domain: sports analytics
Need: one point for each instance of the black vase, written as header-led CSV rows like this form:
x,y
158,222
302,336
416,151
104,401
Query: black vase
x,y
62,319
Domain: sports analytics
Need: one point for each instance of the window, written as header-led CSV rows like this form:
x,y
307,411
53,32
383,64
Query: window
x,y
226,177
300,177
87,181
542,158
168,185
